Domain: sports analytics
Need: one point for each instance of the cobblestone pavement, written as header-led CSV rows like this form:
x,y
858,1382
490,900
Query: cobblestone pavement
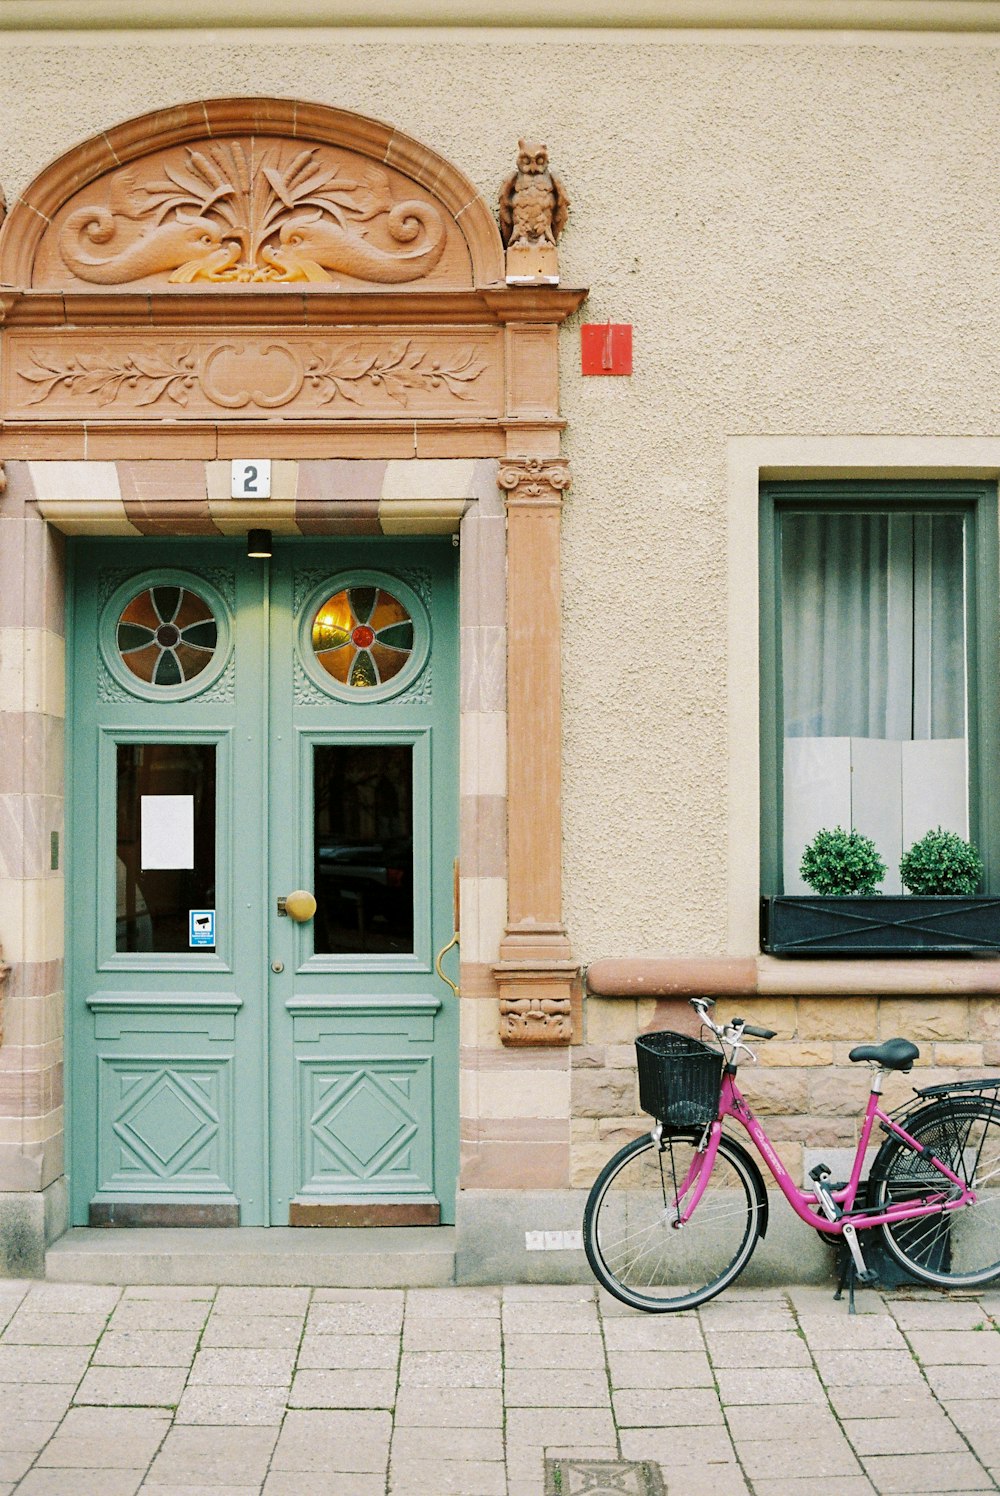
x,y
329,1392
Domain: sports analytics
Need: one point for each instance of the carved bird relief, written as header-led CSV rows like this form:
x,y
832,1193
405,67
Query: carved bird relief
x,y
534,204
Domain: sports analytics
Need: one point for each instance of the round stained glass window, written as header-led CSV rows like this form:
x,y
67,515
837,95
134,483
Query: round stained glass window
x,y
167,635
362,636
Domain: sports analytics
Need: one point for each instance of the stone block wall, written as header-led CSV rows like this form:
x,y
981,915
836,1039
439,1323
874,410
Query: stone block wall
x,y
32,716
805,1090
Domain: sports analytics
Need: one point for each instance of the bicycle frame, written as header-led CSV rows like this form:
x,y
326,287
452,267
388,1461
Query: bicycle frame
x,y
955,1194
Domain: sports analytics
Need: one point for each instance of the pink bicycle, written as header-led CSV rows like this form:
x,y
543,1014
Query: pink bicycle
x,y
674,1217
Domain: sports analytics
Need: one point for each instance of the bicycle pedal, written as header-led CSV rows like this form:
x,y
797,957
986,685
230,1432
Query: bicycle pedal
x,y
819,1172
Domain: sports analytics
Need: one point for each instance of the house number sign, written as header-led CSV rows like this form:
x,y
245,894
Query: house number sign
x,y
252,480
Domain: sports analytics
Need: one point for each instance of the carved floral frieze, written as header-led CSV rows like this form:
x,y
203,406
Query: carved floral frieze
x,y
377,375
252,211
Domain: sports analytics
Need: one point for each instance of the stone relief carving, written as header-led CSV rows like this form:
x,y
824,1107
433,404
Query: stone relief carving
x,y
266,374
534,478
252,212
534,206
535,1020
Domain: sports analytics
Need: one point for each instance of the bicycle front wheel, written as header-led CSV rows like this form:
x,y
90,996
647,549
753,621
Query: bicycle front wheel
x,y
632,1244
951,1249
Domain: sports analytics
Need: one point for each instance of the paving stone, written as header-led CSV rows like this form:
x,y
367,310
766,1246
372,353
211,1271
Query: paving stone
x,y
334,1442
428,1334
43,1363
54,1329
462,1303
238,1368
847,1485
937,1314
174,1291
978,1423
535,1317
880,1369
659,1369
715,1480
930,1434
15,1462
211,1456
343,1389
956,1347
106,1439
574,1426
553,1352
23,1435
550,1293
926,1474
652,1407
91,1481
254,1405
133,1386
821,1459
440,1443
570,1389
724,1314
146,1348
692,1445
437,1477
356,1318
863,1333
661,1332
160,1314
35,1400
198,1490
297,1483
71,1298
752,1348
449,1369
782,1421
347,1352
788,1384
915,1400
472,1407
253,1301
952,1383
257,1332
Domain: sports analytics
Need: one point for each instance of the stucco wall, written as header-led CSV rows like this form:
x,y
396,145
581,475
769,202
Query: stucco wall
x,y
804,233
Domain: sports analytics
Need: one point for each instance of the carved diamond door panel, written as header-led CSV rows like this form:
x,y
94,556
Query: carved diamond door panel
x,y
241,730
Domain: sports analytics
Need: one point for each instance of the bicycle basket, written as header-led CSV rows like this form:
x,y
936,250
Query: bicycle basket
x,y
679,1079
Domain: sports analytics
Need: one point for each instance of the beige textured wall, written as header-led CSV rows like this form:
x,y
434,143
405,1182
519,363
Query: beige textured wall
x,y
803,231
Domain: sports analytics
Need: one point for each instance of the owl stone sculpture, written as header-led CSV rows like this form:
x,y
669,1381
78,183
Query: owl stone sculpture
x,y
533,202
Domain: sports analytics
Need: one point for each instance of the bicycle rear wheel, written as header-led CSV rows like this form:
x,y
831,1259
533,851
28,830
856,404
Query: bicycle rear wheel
x,y
952,1249
631,1244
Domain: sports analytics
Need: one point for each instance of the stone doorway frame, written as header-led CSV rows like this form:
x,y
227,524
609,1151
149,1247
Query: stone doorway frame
x,y
119,467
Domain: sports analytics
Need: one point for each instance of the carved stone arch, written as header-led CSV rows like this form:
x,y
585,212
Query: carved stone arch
x,y
126,176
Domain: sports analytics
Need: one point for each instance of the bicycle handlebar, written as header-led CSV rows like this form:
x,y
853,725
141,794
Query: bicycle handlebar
x,y
731,1033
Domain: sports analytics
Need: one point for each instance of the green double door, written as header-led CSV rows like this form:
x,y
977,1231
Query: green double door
x,y
263,827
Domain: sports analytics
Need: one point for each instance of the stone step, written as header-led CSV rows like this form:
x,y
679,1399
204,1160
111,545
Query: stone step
x,y
376,1257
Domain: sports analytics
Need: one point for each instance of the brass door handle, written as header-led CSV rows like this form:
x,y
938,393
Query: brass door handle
x,y
440,957
299,905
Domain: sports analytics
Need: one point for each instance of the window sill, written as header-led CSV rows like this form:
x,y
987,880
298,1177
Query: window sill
x,y
783,976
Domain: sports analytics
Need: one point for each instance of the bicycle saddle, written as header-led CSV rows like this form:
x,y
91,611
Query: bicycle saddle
x,y
894,1054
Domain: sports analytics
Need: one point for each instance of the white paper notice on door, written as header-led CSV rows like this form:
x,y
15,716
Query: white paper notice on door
x,y
167,830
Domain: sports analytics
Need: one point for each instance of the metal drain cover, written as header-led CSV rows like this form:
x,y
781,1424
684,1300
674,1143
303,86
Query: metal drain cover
x,y
603,1478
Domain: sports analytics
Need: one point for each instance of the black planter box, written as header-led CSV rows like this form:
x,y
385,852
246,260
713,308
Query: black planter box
x,y
883,925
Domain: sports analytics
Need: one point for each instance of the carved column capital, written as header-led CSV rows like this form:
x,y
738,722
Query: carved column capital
x,y
534,480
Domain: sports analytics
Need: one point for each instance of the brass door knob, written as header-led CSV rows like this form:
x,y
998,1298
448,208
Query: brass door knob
x,y
299,905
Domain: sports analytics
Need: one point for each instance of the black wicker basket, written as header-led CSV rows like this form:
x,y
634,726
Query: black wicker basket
x,y
679,1079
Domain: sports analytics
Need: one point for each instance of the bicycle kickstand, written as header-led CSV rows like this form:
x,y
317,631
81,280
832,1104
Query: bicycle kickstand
x,y
854,1269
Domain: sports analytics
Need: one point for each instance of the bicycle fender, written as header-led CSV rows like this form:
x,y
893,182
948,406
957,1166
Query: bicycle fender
x,y
753,1169
746,1158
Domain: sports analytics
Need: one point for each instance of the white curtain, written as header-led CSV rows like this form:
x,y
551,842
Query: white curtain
x,y
873,680
873,625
